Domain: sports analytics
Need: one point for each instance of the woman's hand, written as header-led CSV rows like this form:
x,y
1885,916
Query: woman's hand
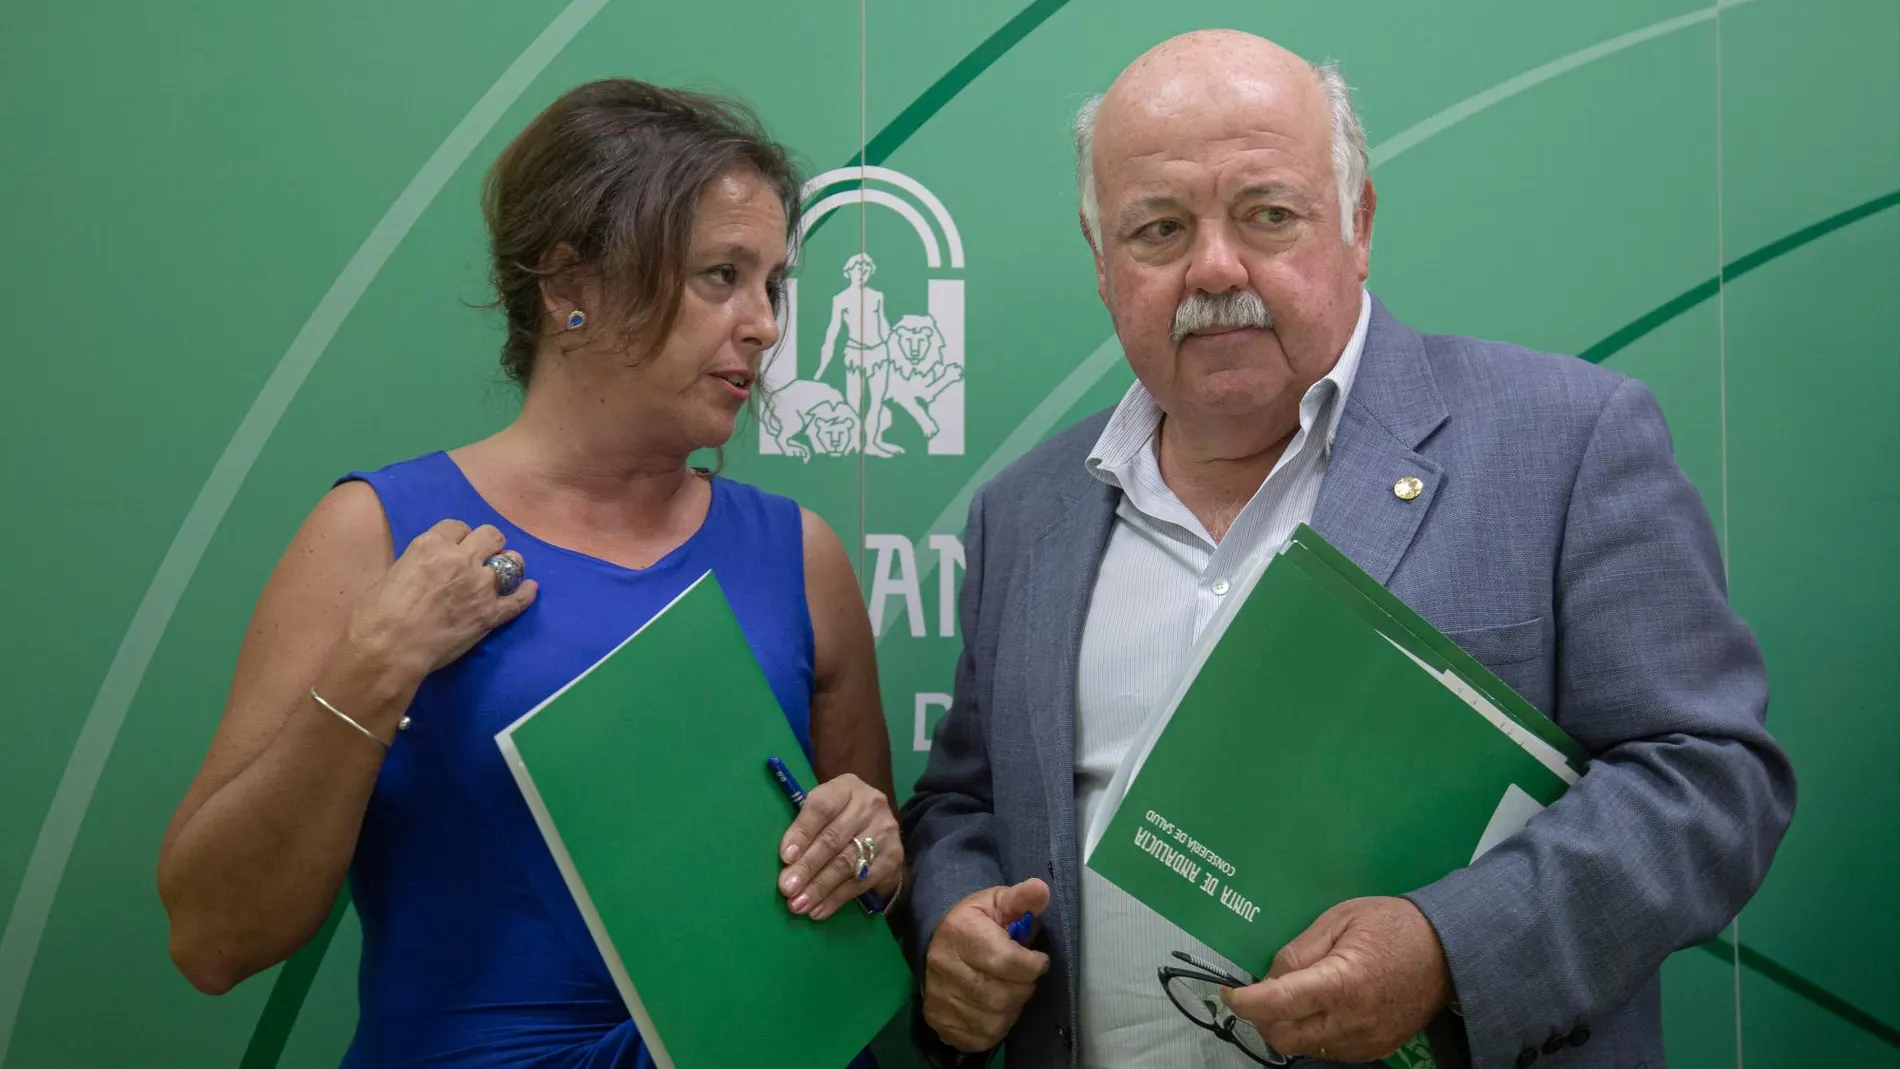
x,y
821,855
438,599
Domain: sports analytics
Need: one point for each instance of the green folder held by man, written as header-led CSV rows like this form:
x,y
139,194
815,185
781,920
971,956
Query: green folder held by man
x,y
647,777
1325,744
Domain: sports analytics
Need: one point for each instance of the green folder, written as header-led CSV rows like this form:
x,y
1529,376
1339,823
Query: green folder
x,y
1326,743
647,776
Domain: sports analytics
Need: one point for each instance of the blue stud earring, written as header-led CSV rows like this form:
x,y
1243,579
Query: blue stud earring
x,y
576,319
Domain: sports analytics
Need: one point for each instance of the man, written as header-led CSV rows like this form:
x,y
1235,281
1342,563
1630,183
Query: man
x,y
1526,504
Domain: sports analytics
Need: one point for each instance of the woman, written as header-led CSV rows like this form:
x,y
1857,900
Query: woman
x,y
639,241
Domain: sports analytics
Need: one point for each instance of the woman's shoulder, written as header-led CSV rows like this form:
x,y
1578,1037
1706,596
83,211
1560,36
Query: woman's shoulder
x,y
774,516
412,494
425,466
746,496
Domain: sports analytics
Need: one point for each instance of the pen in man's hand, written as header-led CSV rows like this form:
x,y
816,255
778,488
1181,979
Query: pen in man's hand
x,y
1019,928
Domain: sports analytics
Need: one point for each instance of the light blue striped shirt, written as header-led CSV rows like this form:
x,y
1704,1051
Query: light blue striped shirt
x,y
1162,578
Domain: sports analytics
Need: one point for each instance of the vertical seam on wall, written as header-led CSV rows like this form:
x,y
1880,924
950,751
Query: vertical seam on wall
x,y
1721,294
1721,362
865,432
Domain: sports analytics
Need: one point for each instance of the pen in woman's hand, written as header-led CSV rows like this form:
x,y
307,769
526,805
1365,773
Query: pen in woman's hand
x,y
870,900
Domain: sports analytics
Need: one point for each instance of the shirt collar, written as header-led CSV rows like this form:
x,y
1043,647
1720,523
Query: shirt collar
x,y
1132,426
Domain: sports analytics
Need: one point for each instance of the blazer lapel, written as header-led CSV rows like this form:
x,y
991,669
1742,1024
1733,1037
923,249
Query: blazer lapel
x,y
1394,405
1061,573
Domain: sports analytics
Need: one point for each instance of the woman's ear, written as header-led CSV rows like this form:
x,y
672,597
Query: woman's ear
x,y
563,291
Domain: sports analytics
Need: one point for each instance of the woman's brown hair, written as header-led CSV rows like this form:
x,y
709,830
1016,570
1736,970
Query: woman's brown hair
x,y
614,170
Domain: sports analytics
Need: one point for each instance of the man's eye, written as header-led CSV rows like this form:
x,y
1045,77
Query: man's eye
x,y
1273,216
1159,230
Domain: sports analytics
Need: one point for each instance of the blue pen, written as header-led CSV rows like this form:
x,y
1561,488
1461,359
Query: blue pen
x,y
1019,928
869,899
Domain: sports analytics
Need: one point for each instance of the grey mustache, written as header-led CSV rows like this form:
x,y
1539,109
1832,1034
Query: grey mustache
x,y
1211,311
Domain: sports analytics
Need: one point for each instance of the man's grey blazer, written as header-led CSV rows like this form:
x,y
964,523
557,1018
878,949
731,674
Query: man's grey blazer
x,y
1556,541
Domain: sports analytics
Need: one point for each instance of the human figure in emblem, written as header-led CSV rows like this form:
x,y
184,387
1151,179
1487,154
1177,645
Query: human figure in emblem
x,y
857,312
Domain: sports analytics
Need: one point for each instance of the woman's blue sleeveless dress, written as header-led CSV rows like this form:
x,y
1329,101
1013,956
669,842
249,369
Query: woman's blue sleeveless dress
x,y
474,954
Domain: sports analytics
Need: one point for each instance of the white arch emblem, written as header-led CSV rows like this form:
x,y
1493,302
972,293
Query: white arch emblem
x,y
903,374
951,236
933,253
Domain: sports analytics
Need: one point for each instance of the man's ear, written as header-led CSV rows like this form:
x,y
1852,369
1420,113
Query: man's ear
x,y
1362,228
1095,251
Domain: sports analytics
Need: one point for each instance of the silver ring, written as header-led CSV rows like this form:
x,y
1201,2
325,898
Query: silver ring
x,y
867,853
508,572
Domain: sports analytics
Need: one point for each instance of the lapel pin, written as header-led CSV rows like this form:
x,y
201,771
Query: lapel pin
x,y
1408,488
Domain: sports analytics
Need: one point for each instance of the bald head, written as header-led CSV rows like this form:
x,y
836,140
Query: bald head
x,y
1199,70
1211,85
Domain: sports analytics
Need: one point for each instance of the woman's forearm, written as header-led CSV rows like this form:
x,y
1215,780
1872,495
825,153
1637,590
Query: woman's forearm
x,y
253,873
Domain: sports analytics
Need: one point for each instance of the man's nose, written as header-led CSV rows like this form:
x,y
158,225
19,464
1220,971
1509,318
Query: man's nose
x,y
1214,264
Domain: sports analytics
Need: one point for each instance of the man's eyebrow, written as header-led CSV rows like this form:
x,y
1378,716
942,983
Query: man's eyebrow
x,y
1270,192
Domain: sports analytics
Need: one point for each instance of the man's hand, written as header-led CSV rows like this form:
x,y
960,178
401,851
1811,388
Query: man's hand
x,y
976,979
1367,976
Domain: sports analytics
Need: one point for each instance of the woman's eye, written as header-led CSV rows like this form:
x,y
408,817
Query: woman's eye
x,y
725,273
775,292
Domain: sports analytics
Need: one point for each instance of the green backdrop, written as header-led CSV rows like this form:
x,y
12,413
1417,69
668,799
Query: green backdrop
x,y
242,244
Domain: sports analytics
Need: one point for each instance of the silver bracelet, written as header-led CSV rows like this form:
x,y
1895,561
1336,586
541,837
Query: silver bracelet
x,y
401,725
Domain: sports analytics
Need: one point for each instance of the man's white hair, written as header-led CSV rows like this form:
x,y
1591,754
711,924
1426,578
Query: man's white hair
x,y
1350,159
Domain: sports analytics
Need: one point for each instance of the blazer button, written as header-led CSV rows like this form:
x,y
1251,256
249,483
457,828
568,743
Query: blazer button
x,y
1555,1043
1580,1035
1526,1057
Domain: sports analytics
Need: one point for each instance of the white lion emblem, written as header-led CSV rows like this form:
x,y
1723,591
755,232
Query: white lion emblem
x,y
922,372
816,411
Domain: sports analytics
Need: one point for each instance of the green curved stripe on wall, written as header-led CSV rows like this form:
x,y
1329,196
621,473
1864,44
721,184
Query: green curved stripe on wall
x,y
967,70
288,992
912,119
1707,288
1788,980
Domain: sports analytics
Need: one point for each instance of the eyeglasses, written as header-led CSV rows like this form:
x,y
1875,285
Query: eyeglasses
x,y
1195,991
